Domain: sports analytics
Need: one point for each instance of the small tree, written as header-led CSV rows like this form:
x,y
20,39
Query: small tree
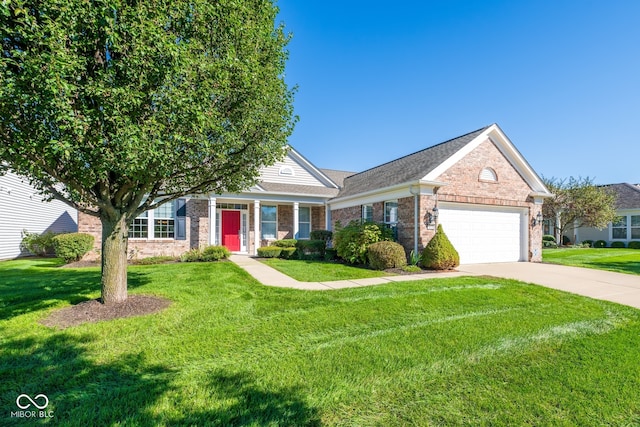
x,y
118,107
439,254
577,202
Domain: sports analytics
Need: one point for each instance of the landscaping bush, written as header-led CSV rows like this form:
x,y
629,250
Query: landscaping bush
x,y
634,244
72,246
587,242
330,254
618,245
215,253
192,255
549,244
351,242
38,244
285,243
313,249
288,253
440,253
325,235
269,252
600,244
383,255
548,238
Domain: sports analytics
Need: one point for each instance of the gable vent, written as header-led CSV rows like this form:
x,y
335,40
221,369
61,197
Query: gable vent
x,y
488,174
286,171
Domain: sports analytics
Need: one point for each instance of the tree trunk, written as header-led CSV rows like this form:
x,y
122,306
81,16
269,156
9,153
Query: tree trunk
x,y
115,234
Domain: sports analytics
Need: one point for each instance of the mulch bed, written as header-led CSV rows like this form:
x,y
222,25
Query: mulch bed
x,y
94,311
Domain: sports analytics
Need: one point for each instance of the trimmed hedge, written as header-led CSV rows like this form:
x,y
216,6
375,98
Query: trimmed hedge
x,y
599,244
311,248
352,241
634,244
325,235
618,245
439,254
72,246
288,253
548,238
269,252
383,255
285,243
587,242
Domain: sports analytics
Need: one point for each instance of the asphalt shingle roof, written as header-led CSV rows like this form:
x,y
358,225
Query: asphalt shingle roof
x,y
628,195
314,190
405,169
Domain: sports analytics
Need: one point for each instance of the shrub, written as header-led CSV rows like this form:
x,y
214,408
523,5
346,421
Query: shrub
x,y
414,258
599,244
411,269
440,253
587,243
288,253
285,243
634,244
215,253
352,241
548,238
618,245
311,248
72,246
383,255
192,255
330,254
549,244
38,244
269,252
325,235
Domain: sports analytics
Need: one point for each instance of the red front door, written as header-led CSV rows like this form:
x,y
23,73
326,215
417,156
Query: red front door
x,y
231,230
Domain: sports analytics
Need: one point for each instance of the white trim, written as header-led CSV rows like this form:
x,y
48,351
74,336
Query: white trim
x,y
296,219
212,221
398,191
256,226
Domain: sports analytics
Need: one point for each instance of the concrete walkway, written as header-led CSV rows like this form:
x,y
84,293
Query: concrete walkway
x,y
599,284
271,277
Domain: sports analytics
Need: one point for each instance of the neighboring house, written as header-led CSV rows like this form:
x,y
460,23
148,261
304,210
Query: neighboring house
x,y
23,208
625,229
478,186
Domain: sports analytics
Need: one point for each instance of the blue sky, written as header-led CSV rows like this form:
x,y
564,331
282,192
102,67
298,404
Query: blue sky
x,y
379,80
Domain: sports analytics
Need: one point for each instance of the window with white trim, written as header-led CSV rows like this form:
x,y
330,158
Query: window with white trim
x,y
635,226
269,222
619,228
139,228
304,222
367,213
391,212
626,227
162,218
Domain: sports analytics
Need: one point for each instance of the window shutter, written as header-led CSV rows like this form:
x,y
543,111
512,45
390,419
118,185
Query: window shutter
x,y
181,219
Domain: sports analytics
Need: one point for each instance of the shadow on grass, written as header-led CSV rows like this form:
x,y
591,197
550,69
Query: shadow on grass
x,y
621,267
126,390
27,290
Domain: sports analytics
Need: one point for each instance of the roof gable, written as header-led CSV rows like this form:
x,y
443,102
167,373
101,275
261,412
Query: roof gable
x,y
294,169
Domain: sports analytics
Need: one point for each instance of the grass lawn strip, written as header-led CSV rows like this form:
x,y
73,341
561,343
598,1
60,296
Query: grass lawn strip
x,y
611,259
321,271
229,351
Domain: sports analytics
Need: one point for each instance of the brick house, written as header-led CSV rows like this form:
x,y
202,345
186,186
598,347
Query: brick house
x,y
478,186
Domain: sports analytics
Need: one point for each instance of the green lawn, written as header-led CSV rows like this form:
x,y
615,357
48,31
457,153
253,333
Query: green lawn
x,y
620,260
229,351
320,271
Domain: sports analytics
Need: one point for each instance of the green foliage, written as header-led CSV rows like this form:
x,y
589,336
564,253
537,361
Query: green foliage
x,y
414,258
330,254
269,252
439,254
600,244
618,245
119,107
578,202
412,268
311,249
285,243
72,246
152,260
325,235
352,241
209,253
549,244
634,244
38,244
587,243
288,253
385,254
548,238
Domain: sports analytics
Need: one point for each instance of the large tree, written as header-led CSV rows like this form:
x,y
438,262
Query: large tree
x,y
118,106
577,202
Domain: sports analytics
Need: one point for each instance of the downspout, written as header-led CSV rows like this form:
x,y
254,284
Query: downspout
x,y
416,212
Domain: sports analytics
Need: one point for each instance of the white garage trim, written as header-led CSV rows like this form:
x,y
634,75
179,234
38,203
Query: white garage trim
x,y
482,233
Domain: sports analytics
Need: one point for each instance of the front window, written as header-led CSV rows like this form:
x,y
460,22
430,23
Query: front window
x,y
619,228
367,213
139,228
269,222
164,221
635,226
304,223
391,212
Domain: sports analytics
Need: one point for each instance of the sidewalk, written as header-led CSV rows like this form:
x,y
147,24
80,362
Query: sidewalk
x,y
271,277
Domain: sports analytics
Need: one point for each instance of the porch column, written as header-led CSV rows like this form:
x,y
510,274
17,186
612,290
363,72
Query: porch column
x,y
212,220
327,217
256,226
296,213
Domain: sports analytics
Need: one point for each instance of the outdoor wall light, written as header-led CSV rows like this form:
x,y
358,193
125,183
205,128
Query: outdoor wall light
x,y
432,217
537,220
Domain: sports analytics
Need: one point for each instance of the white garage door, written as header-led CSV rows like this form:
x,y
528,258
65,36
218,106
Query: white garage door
x,y
484,234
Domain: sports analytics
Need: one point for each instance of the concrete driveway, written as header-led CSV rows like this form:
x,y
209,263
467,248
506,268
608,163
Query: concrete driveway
x,y
604,285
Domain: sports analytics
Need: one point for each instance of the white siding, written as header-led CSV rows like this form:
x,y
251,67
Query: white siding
x,y
22,208
301,175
